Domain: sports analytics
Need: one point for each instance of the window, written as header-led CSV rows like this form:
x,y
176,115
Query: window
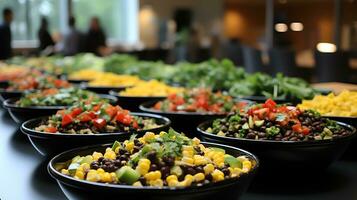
x,y
116,18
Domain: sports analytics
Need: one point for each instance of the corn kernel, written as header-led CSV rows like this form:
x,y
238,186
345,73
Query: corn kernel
x,y
217,175
65,171
79,175
235,172
85,167
187,160
199,177
156,183
114,177
199,160
100,170
137,184
93,176
149,136
153,175
97,155
247,165
187,153
196,141
208,168
106,177
110,155
172,180
129,146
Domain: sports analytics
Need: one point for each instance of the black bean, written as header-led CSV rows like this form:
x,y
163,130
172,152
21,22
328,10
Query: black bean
x,y
151,155
153,167
170,161
122,151
191,171
100,159
250,135
226,171
261,134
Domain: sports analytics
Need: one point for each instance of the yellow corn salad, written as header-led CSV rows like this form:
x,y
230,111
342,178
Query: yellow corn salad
x,y
84,74
151,88
168,159
344,104
113,80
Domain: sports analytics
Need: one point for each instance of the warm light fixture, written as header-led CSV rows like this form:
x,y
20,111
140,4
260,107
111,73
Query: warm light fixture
x,y
296,26
281,27
326,47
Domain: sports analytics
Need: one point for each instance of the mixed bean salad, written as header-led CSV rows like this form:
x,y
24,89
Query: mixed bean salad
x,y
199,100
167,159
89,117
270,121
56,97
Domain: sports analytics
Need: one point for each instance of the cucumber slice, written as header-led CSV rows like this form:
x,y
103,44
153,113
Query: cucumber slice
x,y
127,175
115,145
259,123
176,170
218,149
245,126
72,168
88,159
250,122
232,161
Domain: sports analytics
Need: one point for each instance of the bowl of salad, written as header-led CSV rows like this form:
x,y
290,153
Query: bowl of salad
x,y
88,123
284,137
31,82
168,165
49,101
186,110
132,97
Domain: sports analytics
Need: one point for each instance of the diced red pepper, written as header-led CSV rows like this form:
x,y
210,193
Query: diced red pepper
x,y
66,119
261,112
179,100
111,111
85,117
76,111
297,128
51,129
157,106
135,124
269,103
96,108
305,130
127,120
99,123
120,116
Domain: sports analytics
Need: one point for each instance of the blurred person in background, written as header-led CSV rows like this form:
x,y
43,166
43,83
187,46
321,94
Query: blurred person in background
x,y
72,43
5,34
96,39
44,37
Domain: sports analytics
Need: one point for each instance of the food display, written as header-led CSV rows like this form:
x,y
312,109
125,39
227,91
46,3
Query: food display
x,y
92,117
270,121
151,88
198,100
342,105
168,159
36,81
56,97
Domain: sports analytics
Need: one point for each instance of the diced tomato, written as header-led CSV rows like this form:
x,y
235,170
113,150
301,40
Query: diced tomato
x,y
135,124
157,106
127,120
99,123
215,108
282,109
297,128
58,83
66,119
261,112
51,129
76,111
96,108
269,103
111,111
272,116
242,104
179,100
172,96
85,117
190,108
120,116
202,103
305,130
92,115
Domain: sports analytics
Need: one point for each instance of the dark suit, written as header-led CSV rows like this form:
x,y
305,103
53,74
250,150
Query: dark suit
x,y
5,42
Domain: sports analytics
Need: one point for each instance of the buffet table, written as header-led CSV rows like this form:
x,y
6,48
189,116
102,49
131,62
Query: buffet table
x,y
24,175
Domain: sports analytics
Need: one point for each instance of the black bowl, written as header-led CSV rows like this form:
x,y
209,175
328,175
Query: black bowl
x,y
101,89
77,81
79,189
262,99
182,121
8,94
281,156
20,114
132,103
50,143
